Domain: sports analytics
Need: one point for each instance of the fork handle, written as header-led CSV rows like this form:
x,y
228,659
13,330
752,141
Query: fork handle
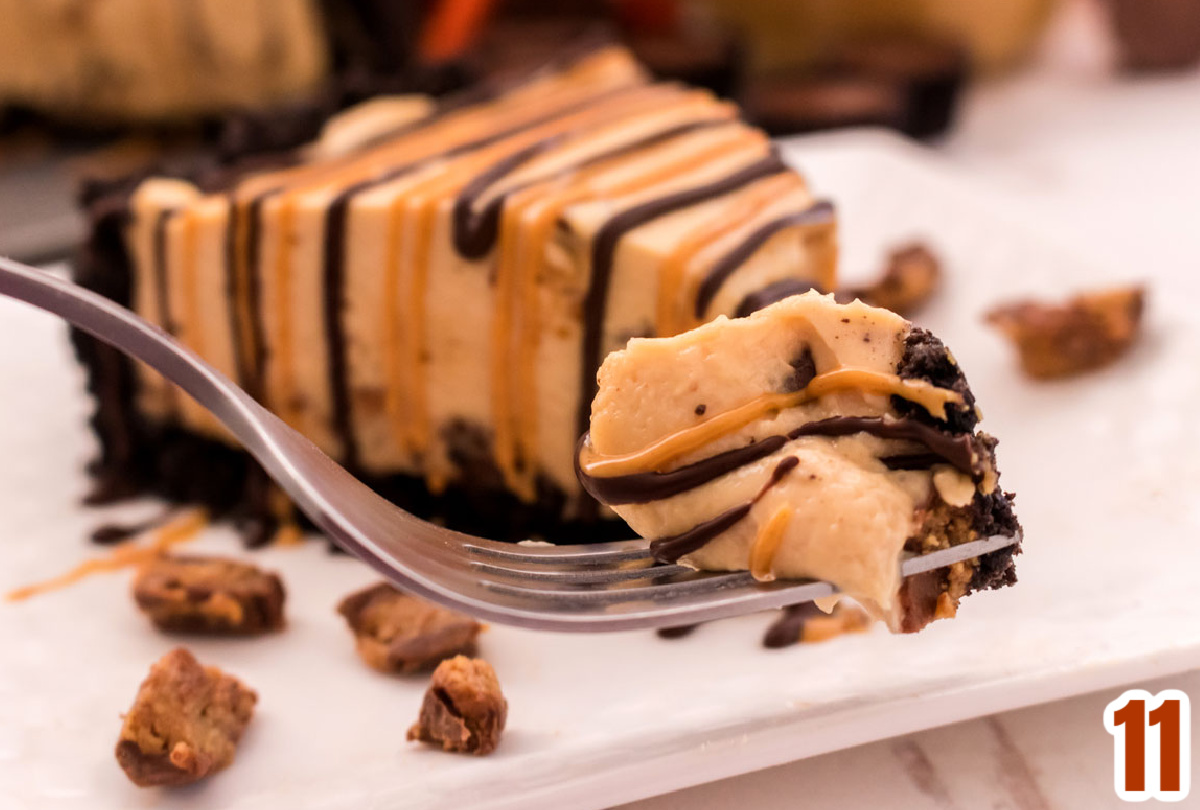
x,y
288,457
116,325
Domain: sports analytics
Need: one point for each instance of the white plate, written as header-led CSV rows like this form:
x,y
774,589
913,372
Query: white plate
x,y
1105,468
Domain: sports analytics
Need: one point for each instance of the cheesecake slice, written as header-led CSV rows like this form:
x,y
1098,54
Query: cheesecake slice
x,y
124,61
427,292
810,439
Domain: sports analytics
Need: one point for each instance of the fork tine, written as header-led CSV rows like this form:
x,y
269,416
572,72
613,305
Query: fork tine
x,y
598,554
593,575
562,588
692,584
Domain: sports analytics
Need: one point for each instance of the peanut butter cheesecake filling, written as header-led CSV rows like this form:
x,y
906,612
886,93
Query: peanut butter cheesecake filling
x,y
427,293
809,440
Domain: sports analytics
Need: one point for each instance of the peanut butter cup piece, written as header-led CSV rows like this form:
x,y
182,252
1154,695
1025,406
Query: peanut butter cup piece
x,y
909,279
401,634
464,709
209,595
1086,332
185,723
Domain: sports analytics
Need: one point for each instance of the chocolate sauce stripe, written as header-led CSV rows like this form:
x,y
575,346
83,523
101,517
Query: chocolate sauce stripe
x,y
159,247
653,486
257,377
475,232
334,263
670,549
819,213
334,260
250,374
772,293
604,248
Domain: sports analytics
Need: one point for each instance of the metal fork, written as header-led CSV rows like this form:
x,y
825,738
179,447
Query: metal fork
x,y
583,588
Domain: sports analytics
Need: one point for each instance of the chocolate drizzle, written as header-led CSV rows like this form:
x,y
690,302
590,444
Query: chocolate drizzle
x,y
604,250
655,486
475,231
788,628
160,268
255,378
334,263
670,549
334,251
773,292
112,533
957,450
911,461
819,213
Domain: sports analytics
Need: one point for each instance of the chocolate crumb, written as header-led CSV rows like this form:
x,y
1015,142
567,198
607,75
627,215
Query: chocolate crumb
x,y
185,723
700,409
111,534
804,369
464,708
398,633
1086,332
210,595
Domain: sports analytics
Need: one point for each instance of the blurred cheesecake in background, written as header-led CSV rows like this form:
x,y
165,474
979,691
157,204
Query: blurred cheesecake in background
x,y
122,62
427,291
798,33
145,60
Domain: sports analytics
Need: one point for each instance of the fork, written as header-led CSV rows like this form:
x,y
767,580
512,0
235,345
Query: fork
x,y
574,588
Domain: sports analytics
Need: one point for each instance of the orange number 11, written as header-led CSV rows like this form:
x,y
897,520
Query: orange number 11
x,y
1169,750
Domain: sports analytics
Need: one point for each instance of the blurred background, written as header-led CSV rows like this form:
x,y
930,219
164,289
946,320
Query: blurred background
x,y
95,90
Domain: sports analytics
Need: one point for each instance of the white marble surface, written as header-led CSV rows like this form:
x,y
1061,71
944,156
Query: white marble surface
x,y
1111,168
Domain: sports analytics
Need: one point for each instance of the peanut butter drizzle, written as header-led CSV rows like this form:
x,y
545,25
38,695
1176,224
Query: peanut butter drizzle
x,y
417,348
179,530
288,535
504,443
395,402
193,321
673,313
515,416
406,281
242,326
766,544
152,306
455,129
555,94
661,109
672,446
510,444
282,358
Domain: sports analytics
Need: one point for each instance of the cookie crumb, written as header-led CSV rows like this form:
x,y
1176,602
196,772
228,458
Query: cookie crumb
x,y
400,634
1087,332
185,723
464,708
209,595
